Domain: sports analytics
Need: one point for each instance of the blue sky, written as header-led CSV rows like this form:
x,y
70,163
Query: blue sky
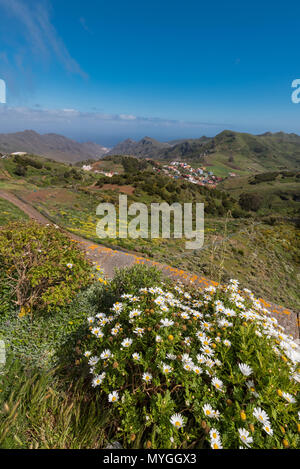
x,y
105,71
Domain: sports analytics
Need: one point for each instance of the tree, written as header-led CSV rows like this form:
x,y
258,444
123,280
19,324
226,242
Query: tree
x,y
20,170
250,201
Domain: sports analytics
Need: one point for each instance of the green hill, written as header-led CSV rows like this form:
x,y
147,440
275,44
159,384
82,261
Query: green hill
x,y
279,191
241,153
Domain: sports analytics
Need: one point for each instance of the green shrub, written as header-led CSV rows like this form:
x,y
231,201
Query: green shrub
x,y
41,266
249,201
20,170
184,369
26,161
126,280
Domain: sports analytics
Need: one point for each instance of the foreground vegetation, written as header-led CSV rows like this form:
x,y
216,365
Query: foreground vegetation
x,y
145,362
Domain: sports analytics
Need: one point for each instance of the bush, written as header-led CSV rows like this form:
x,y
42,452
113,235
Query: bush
x,y
26,161
41,266
126,280
183,369
20,171
250,201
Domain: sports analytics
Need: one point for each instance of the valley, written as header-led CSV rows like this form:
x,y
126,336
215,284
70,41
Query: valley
x,y
258,244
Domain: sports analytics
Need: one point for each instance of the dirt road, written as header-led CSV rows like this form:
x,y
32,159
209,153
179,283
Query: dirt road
x,y
110,259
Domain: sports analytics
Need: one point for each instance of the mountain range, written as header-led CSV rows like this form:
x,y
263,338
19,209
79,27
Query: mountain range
x,y
228,151
234,151
54,146
145,148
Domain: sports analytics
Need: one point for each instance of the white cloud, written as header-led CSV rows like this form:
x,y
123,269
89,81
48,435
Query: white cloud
x,y
39,34
21,113
127,117
103,128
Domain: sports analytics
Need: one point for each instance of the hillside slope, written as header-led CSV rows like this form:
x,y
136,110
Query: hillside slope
x,y
229,151
146,147
50,145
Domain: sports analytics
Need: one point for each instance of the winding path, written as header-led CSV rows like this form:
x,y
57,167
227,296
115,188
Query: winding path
x,y
110,259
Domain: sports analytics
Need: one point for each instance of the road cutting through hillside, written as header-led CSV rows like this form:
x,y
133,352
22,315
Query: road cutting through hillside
x,y
110,259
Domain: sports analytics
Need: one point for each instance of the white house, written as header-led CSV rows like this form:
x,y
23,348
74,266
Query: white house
x,y
19,153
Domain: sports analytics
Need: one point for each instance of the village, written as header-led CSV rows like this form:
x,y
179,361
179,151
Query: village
x,y
175,170
182,170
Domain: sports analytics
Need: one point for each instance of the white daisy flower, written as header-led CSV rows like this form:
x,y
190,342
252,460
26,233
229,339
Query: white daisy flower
x,y
218,384
147,377
229,312
214,434
113,396
136,356
166,322
134,299
205,340
206,325
171,356
261,416
98,380
201,358
100,315
197,315
166,368
117,307
288,397
134,313
188,366
210,412
177,420
126,295
159,300
185,315
208,351
296,377
216,444
126,342
93,361
139,331
268,429
244,436
245,369
106,354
